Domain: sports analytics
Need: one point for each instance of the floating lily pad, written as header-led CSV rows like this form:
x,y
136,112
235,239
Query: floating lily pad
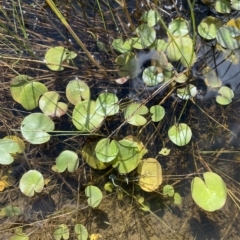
x,y
31,182
85,118
94,195
106,104
62,231
50,106
67,160
146,36
128,65
228,37
56,56
106,150
76,91
121,46
89,155
211,78
81,232
164,151
210,195
180,134
160,45
19,141
133,114
129,155
208,27
35,127
150,17
5,157
182,49
226,95
10,211
178,27
168,190
150,174
158,113
151,77
235,4
17,84
30,95
187,92
222,6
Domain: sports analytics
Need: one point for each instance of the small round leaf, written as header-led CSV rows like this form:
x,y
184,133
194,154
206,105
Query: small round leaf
x,y
94,195
67,160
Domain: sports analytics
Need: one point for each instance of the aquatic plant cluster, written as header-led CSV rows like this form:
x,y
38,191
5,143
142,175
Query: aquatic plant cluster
x,y
126,154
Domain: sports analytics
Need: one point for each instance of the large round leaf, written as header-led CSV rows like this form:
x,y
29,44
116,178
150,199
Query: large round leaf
x,y
31,93
210,195
94,195
106,150
85,118
178,27
50,106
150,174
35,126
180,134
76,91
67,160
31,181
17,84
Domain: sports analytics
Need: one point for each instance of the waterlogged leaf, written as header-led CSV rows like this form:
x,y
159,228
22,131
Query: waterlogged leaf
x,y
19,141
146,36
20,236
226,95
151,77
180,134
121,46
222,6
81,231
106,150
89,155
35,127
17,84
158,113
60,232
228,37
211,78
94,195
165,151
130,154
31,181
177,199
208,27
56,56
235,4
85,118
210,194
178,27
150,174
150,17
128,65
106,104
10,211
133,114
30,95
67,160
187,92
50,106
168,190
76,91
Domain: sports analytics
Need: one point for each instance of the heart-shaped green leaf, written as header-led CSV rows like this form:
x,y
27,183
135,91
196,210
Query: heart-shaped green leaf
x,y
31,181
210,195
158,113
62,231
67,160
50,106
81,231
94,195
35,126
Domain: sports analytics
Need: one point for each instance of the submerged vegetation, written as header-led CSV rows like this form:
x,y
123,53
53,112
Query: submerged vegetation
x,y
143,116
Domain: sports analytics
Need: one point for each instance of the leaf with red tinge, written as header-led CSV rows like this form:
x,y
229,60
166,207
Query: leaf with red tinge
x,y
122,80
